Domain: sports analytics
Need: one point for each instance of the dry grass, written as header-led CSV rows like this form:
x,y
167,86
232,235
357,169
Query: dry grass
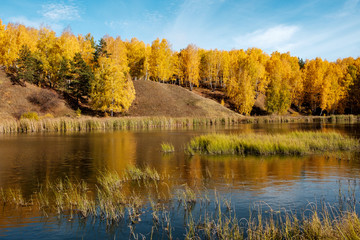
x,y
67,124
111,204
160,99
16,100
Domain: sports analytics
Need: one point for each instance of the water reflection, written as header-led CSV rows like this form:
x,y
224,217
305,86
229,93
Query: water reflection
x,y
27,160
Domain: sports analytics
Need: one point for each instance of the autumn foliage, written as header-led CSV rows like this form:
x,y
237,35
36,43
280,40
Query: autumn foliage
x,y
101,74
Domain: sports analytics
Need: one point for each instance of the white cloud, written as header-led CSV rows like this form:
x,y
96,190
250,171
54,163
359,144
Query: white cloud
x,y
25,21
60,11
53,15
279,38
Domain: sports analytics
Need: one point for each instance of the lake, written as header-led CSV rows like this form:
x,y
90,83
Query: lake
x,y
276,183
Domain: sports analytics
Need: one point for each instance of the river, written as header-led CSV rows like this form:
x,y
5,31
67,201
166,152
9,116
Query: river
x,y
276,182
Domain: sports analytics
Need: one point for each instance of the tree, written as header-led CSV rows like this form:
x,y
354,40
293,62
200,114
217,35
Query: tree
x,y
12,40
68,44
28,67
100,51
48,53
136,58
225,68
246,78
283,75
87,48
116,50
82,76
159,61
110,89
190,61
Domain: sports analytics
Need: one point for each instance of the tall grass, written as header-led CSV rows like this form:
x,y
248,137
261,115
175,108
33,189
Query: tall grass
x,y
66,124
90,124
109,203
294,143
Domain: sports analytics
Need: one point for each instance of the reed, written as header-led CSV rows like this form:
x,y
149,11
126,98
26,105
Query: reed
x,y
293,143
109,204
326,223
167,147
66,124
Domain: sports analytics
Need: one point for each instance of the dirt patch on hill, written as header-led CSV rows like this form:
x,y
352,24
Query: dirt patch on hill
x,y
159,99
16,100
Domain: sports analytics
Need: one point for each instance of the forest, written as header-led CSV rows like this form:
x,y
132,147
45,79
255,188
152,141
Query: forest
x,y
100,73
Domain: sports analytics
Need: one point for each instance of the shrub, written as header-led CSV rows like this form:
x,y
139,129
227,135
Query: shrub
x,y
78,112
45,99
30,116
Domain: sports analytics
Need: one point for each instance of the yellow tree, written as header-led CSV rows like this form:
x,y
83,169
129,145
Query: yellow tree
x,y
12,40
279,73
332,90
175,67
246,73
208,66
111,90
87,48
313,72
256,65
350,84
225,67
2,43
285,82
117,51
68,44
190,61
49,54
324,88
159,62
239,88
147,61
136,57
296,81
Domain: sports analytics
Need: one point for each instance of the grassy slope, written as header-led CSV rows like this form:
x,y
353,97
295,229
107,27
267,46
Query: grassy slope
x,y
152,99
15,100
158,99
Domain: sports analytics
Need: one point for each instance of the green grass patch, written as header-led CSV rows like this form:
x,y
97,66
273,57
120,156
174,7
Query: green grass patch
x,y
294,143
167,147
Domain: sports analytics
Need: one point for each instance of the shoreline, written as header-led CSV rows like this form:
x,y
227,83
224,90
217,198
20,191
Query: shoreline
x,y
86,124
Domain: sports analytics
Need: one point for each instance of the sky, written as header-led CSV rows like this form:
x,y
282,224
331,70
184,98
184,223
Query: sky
x,y
329,29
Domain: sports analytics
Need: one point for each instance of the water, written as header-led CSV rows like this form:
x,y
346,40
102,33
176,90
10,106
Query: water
x,y
292,183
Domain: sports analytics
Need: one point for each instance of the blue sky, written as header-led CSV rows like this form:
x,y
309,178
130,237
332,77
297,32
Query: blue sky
x,y
308,29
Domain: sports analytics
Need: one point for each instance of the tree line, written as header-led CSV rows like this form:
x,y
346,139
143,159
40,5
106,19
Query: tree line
x,y
101,73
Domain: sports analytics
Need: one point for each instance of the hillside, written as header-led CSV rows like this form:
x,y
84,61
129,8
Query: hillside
x,y
16,100
152,99
159,99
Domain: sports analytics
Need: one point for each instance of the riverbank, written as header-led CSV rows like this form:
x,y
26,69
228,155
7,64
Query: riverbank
x,y
79,124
